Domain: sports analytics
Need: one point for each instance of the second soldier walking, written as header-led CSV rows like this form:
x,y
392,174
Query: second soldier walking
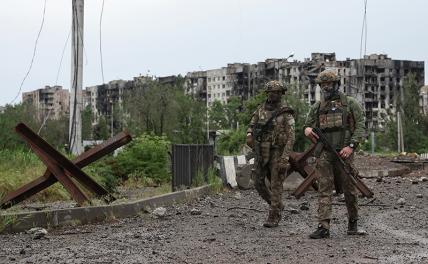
x,y
271,135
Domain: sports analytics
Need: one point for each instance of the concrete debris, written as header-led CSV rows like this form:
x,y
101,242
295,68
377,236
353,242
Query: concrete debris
x,y
38,232
401,201
293,211
238,196
424,179
159,212
419,195
195,211
415,182
304,206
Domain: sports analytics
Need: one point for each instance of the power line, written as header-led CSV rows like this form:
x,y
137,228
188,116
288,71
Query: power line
x,y
62,56
34,54
101,51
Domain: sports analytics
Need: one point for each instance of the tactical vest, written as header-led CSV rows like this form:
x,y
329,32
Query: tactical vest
x,y
267,134
336,121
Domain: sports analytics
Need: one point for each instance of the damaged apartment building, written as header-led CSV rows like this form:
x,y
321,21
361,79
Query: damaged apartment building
x,y
376,81
102,99
50,102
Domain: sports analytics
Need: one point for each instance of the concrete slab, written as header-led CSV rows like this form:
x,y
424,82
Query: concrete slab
x,y
230,172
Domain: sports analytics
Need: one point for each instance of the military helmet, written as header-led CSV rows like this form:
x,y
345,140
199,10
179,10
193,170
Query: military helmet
x,y
274,86
327,76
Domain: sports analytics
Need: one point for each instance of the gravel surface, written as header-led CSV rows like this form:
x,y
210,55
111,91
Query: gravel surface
x,y
227,228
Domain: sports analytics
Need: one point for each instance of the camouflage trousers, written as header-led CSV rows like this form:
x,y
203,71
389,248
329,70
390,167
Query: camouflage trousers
x,y
267,170
328,170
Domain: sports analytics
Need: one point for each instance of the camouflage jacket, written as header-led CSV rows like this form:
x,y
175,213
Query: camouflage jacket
x,y
354,125
279,132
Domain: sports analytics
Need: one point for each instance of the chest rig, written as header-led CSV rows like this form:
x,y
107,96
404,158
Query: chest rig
x,y
336,121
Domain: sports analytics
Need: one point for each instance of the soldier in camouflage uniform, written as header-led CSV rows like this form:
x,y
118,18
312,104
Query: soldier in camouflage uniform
x,y
341,119
271,134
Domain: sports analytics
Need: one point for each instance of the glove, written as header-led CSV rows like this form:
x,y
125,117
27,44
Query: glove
x,y
283,165
250,140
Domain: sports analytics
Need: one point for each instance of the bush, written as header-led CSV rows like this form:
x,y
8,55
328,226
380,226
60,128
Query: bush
x,y
145,158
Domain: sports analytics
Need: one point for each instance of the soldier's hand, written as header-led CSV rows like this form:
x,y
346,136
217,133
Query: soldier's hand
x,y
346,152
311,134
250,140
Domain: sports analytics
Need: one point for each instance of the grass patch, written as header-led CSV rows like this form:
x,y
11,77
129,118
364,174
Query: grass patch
x,y
18,167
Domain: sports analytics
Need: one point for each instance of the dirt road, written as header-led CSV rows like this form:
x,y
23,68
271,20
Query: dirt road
x,y
220,229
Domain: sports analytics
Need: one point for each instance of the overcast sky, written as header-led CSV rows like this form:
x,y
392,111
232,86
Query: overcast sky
x,y
169,37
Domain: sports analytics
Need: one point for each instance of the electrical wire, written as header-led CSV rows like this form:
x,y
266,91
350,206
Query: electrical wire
x,y
34,54
101,50
62,57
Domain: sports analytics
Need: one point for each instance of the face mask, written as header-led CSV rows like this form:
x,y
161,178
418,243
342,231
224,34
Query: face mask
x,y
330,90
273,97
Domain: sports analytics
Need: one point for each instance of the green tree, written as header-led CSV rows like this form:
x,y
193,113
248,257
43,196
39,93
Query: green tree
x,y
12,115
217,116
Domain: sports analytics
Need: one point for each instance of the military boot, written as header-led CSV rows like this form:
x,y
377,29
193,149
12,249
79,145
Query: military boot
x,y
353,229
321,232
273,218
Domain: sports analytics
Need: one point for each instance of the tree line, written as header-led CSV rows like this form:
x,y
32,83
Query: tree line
x,y
165,110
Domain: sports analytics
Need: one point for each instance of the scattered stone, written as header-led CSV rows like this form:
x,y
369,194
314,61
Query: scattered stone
x,y
412,207
419,195
424,179
304,206
40,233
22,251
238,196
159,212
293,210
210,239
195,211
401,201
37,232
415,182
379,179
137,235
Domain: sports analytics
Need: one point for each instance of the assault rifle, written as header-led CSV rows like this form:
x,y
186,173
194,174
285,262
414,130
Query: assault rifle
x,y
350,172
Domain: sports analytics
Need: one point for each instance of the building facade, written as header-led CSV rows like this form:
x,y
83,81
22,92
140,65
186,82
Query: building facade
x,y
376,81
423,99
50,102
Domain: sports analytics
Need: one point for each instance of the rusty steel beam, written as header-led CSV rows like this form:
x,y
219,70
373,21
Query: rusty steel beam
x,y
49,152
298,162
60,175
49,179
307,182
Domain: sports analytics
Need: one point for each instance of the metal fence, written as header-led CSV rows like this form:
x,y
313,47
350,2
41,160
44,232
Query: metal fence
x,y
187,161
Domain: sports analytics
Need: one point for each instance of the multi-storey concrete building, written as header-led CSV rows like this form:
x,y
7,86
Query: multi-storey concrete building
x,y
51,101
423,99
376,81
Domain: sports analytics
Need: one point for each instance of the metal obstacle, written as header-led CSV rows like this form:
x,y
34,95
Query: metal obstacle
x,y
61,169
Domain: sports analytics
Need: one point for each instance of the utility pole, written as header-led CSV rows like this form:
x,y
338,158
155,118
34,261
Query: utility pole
x,y
75,129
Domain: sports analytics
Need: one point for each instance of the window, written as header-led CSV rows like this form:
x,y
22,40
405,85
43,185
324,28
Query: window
x,y
224,78
224,85
209,79
228,93
223,94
